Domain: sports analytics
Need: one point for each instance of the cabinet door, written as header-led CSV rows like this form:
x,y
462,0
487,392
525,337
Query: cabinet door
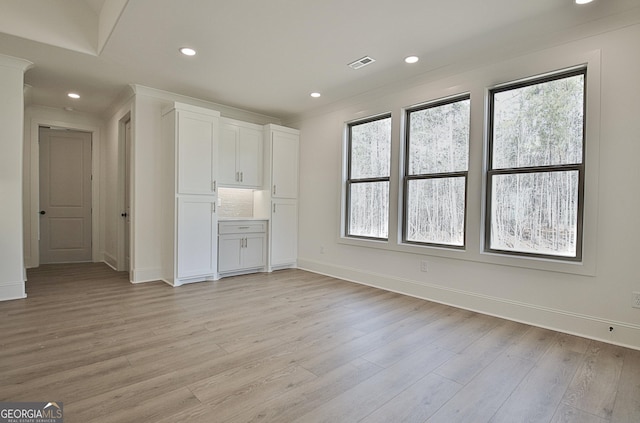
x,y
250,157
196,236
227,173
284,166
196,153
253,252
284,232
229,252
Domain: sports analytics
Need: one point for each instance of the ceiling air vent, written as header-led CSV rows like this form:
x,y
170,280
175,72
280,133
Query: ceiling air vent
x,y
360,63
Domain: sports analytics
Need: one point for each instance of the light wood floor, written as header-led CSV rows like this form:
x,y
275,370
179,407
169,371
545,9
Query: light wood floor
x,y
293,346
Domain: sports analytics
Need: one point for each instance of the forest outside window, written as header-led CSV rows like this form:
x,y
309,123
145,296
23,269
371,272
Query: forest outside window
x,y
436,165
367,185
535,178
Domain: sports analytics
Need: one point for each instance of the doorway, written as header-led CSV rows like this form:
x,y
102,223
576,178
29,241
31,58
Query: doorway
x,y
126,200
65,186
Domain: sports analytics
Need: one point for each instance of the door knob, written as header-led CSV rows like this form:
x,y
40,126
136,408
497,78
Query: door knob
x,y
124,214
43,212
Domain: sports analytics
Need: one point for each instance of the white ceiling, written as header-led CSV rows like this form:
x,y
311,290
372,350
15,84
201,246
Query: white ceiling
x,y
268,56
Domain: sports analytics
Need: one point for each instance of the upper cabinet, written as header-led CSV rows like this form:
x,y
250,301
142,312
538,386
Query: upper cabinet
x,y
283,161
240,148
196,130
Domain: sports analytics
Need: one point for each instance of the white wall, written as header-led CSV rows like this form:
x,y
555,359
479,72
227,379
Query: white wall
x,y
584,299
11,117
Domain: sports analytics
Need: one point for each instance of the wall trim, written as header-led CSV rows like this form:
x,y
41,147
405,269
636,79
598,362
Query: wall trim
x,y
110,261
12,291
146,275
591,327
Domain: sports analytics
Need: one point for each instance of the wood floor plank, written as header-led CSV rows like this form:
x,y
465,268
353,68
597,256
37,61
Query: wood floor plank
x,y
304,398
537,397
372,393
473,359
568,414
595,384
482,397
416,403
627,405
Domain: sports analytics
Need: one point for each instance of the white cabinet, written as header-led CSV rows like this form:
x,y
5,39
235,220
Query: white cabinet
x,y
284,232
278,201
284,163
196,237
196,152
188,157
242,246
240,162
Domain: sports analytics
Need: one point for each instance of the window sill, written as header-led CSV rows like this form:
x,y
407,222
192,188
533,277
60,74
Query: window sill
x,y
583,268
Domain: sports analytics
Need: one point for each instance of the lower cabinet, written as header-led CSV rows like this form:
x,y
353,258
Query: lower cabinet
x,y
195,257
284,234
242,246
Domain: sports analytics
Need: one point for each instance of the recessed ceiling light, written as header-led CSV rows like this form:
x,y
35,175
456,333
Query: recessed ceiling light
x,y
412,59
188,51
73,95
315,95
583,1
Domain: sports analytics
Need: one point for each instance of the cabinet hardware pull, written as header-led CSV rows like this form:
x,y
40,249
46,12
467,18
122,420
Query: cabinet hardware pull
x,y
213,207
241,176
243,227
213,186
274,208
274,189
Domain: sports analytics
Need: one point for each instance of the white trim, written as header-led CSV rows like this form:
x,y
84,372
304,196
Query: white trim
x,y
146,275
95,131
120,242
12,291
591,327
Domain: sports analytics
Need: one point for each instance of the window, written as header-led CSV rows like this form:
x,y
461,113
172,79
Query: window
x,y
435,180
535,178
367,185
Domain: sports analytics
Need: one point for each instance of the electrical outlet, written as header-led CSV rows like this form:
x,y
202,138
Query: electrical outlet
x,y
424,266
636,300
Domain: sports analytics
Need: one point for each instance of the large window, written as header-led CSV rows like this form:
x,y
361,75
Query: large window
x,y
435,180
367,189
535,178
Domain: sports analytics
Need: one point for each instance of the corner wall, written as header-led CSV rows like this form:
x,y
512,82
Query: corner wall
x,y
12,275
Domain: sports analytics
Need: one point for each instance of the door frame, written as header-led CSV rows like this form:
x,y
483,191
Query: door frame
x,y
120,259
35,124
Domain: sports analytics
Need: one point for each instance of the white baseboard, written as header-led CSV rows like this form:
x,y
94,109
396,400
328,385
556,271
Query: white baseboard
x,y
12,291
592,327
110,260
146,275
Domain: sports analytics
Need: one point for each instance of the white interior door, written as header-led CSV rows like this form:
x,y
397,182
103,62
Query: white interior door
x,y
127,194
65,196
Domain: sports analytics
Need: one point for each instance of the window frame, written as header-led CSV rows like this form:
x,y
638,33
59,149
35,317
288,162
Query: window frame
x,y
349,181
580,168
406,177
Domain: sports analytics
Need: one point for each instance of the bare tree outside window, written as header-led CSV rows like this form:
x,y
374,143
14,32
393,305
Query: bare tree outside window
x,y
369,160
436,168
536,167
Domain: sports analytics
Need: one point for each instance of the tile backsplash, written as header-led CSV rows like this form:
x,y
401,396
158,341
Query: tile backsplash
x,y
234,202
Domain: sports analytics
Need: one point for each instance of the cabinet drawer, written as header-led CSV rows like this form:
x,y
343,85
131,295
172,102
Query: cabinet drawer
x,y
242,227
